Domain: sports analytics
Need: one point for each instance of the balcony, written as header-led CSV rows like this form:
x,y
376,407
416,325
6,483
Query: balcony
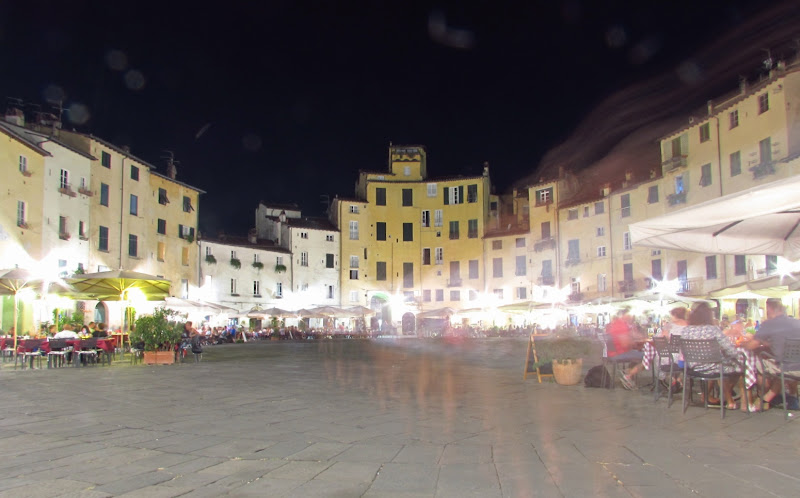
x,y
454,282
677,198
83,236
547,280
23,224
63,235
690,286
544,244
762,170
673,162
26,173
576,297
85,191
67,190
573,261
627,286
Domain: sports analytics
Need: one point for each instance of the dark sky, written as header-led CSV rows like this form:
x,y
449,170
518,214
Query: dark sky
x,y
286,100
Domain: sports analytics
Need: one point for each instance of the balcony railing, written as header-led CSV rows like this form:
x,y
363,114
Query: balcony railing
x,y
576,297
547,280
675,162
63,235
67,190
627,286
26,172
762,170
572,261
85,191
544,244
678,198
454,282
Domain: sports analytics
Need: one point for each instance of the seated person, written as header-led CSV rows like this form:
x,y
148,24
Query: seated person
x,y
67,333
622,331
100,331
771,335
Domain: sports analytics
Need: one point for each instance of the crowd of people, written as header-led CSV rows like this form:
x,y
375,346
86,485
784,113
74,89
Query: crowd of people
x,y
765,339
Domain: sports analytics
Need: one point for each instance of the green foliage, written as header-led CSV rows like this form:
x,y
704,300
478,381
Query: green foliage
x,y
157,330
210,259
236,263
280,268
189,238
258,265
62,317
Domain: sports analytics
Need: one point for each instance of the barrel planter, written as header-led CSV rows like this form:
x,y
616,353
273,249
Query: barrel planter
x,y
568,372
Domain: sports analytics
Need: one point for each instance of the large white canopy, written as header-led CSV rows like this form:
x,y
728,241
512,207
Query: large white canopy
x,y
759,220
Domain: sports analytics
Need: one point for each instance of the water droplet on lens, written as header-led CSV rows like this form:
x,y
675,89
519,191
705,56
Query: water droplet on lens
x,y
134,80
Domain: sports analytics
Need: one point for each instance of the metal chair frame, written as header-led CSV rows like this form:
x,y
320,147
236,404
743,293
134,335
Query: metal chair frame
x,y
791,355
668,349
703,352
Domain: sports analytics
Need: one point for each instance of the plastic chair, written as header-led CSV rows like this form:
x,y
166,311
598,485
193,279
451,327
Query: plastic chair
x,y
27,350
791,355
58,353
700,352
88,350
665,349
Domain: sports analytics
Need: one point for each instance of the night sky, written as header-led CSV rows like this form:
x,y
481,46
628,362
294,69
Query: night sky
x,y
284,101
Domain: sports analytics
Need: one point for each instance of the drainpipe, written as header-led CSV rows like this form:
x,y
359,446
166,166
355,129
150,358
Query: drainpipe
x,y
721,193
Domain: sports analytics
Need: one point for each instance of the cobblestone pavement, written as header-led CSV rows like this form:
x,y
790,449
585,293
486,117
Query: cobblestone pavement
x,y
371,418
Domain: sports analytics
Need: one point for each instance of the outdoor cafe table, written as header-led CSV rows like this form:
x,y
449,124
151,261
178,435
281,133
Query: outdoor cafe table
x,y
107,344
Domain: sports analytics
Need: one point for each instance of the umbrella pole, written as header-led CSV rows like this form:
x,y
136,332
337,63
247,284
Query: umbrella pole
x,y
16,316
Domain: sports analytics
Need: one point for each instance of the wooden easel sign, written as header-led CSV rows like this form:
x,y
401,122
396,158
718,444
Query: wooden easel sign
x,y
531,359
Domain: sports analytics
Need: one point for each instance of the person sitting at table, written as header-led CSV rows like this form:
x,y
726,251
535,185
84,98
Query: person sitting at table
x,y
701,326
677,321
100,331
85,332
771,335
67,333
622,331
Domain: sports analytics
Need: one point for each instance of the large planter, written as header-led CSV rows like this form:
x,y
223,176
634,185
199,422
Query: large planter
x,y
159,357
568,372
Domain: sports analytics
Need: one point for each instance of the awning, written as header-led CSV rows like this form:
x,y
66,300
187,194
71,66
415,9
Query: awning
x,y
759,220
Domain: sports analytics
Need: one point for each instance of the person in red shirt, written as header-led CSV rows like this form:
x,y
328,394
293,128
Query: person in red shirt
x,y
621,331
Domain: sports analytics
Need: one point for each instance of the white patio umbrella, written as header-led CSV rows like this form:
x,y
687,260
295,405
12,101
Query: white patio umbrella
x,y
759,220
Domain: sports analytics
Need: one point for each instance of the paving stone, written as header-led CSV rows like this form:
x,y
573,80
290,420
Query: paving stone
x,y
466,453
525,478
298,470
419,453
404,478
350,472
320,451
328,489
466,479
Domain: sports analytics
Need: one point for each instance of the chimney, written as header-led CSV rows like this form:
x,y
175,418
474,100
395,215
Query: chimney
x,y
15,116
605,191
172,171
628,175
279,227
251,236
486,168
710,107
742,85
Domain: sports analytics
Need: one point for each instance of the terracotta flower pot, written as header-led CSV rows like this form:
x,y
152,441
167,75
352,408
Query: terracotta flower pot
x,y
569,372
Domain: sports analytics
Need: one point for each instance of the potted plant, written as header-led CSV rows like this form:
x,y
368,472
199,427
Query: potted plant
x,y
280,268
159,333
565,349
236,263
258,265
210,259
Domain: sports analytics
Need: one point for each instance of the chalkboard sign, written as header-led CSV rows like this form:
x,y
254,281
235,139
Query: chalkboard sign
x,y
531,359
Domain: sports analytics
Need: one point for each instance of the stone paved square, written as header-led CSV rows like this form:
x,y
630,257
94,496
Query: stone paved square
x,y
402,417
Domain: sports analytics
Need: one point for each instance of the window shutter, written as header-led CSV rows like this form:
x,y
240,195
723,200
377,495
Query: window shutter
x,y
191,232
446,191
461,194
180,230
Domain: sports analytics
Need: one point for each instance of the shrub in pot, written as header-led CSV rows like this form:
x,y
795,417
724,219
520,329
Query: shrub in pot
x,y
158,332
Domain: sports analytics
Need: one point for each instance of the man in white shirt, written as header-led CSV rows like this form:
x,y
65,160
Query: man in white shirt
x,y
67,333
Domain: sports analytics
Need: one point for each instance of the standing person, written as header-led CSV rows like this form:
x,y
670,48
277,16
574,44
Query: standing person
x,y
621,331
772,334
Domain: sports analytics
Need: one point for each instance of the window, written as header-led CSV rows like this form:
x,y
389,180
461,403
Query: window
x,y
187,204
256,258
23,164
438,219
133,246
406,170
733,117
380,230
522,293
353,230
21,214
408,275
426,218
353,209
279,290
102,239
655,252
711,267
655,270
736,163
408,197
472,193
233,287
161,251
134,205
497,267
498,293
426,255
64,180
134,173
652,194
440,294
626,241
763,103
547,270
453,230
426,295
497,244
740,264
602,286
455,295
705,132
679,184
455,273
105,159
705,175
353,274
208,251
432,190
104,194
771,264
573,250
438,255
765,150
62,227
601,251
82,230
572,214
544,196
586,211
353,261
353,296
545,230
454,195
601,231
162,226
329,238
279,260
233,255
304,258
380,196
185,232
329,260
521,269
162,197
408,232
472,229
380,271
304,235
575,285
473,269
599,208
625,200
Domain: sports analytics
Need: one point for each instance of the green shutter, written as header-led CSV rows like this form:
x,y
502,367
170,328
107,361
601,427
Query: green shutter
x,y
446,191
461,194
